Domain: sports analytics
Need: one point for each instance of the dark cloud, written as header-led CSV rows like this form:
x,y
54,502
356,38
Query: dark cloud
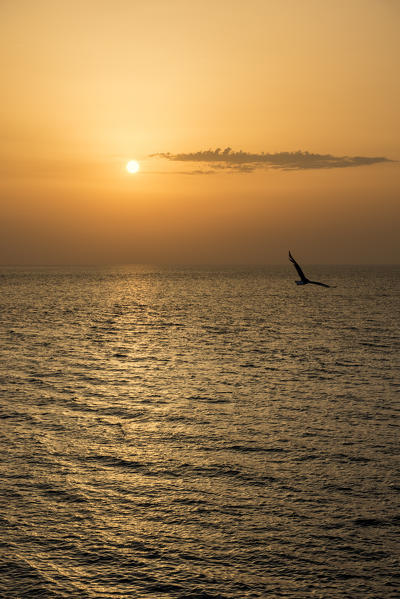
x,y
229,160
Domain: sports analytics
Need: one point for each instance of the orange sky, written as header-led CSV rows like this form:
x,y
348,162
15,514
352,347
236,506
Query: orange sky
x,y
90,84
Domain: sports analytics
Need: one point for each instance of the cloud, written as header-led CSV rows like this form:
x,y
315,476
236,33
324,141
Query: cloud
x,y
246,162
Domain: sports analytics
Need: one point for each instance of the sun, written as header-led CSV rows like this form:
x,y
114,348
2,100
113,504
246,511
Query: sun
x,y
132,166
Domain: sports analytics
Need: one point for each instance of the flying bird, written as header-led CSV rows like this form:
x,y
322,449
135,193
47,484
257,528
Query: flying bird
x,y
303,278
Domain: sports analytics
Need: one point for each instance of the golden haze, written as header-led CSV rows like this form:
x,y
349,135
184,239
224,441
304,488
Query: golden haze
x,y
89,85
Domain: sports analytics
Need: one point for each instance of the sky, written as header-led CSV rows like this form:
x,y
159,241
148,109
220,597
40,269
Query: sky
x,y
258,126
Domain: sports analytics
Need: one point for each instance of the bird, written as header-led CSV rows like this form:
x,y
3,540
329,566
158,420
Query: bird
x,y
303,278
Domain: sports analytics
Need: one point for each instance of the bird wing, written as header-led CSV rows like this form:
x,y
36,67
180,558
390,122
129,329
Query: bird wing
x,y
297,267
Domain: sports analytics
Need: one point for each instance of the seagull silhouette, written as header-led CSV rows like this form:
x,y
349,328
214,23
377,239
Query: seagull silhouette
x,y
303,278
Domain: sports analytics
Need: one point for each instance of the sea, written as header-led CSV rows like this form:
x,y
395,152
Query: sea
x,y
199,433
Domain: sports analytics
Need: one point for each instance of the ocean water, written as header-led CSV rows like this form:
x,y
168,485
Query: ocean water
x,y
199,433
